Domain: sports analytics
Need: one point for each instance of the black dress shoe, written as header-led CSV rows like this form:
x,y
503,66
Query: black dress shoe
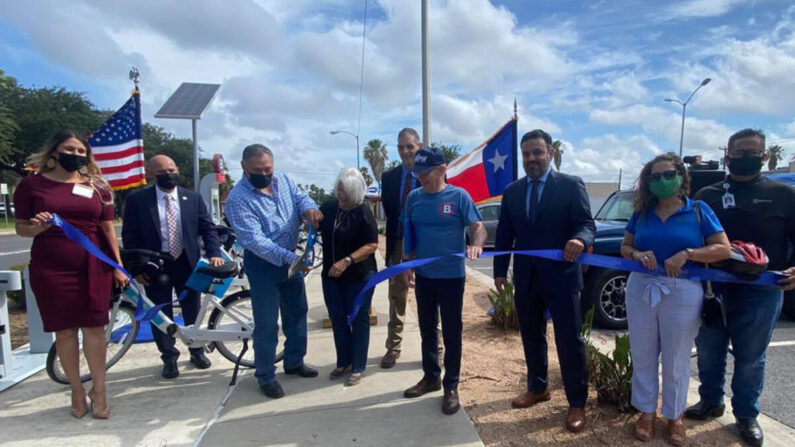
x,y
200,360
450,404
170,369
303,371
703,411
272,390
750,431
422,387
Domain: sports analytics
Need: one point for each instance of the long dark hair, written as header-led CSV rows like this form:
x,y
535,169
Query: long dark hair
x,y
644,199
91,172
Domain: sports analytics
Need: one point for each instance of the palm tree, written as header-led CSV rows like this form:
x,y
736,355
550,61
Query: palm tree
x,y
392,164
375,154
368,179
775,156
558,146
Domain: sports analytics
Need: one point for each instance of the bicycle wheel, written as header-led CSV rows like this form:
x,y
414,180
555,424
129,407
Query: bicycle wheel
x,y
122,336
238,305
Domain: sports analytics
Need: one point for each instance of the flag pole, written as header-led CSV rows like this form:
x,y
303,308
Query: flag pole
x,y
426,100
515,141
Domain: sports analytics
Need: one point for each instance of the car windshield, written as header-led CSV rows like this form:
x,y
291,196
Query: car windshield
x,y
617,207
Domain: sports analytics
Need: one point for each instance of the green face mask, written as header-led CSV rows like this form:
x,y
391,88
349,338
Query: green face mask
x,y
665,188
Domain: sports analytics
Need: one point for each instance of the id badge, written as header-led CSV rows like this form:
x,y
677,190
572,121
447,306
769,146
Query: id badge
x,y
83,191
728,201
728,198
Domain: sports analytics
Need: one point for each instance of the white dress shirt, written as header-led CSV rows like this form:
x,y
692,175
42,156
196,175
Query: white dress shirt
x,y
161,211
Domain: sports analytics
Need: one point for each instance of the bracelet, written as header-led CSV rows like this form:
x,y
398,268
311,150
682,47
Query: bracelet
x,y
350,260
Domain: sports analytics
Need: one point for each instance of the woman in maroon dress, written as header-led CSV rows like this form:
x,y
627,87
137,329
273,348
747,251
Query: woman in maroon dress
x,y
72,287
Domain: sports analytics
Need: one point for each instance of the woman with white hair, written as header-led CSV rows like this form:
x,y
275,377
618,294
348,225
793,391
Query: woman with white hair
x,y
350,237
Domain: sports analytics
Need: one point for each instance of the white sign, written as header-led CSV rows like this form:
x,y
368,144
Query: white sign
x,y
3,188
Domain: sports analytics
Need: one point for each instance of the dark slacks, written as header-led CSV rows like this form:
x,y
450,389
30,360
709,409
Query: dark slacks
x,y
531,306
440,297
178,272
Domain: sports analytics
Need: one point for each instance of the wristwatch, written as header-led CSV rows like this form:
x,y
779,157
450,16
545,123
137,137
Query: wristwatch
x,y
690,252
349,259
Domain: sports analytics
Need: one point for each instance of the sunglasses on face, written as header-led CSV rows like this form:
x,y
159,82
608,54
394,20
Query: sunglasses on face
x,y
668,175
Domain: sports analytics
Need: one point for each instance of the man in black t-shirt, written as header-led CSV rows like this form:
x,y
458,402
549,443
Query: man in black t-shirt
x,y
751,208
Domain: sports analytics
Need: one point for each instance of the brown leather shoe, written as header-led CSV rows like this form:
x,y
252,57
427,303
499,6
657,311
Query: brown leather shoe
x,y
529,398
450,404
575,420
389,359
644,426
676,432
423,387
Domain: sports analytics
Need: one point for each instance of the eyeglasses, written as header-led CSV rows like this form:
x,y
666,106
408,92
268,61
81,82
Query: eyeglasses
x,y
751,153
668,175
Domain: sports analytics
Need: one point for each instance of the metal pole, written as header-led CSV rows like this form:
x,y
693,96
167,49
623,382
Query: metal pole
x,y
426,91
620,171
195,158
358,165
682,132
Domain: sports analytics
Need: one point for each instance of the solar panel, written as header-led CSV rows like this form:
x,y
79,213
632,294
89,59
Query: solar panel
x,y
189,101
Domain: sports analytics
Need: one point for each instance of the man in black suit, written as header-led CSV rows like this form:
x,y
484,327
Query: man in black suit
x,y
168,218
547,210
396,185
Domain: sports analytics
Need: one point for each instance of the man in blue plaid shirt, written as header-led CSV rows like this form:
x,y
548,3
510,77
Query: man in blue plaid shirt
x,y
266,210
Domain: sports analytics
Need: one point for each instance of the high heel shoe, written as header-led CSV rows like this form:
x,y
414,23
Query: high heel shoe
x,y
81,410
97,413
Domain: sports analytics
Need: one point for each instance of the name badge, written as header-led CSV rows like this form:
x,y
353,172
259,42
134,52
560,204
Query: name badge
x,y
728,198
83,191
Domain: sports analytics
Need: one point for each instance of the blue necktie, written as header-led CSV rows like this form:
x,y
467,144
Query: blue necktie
x,y
531,210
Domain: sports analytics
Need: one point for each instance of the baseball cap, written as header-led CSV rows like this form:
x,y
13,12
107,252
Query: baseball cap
x,y
426,159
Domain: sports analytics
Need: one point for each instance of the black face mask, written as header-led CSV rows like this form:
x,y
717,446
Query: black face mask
x,y
745,165
71,162
260,181
167,181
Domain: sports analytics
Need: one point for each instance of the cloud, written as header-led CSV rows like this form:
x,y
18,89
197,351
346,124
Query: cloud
x,y
602,158
701,8
700,135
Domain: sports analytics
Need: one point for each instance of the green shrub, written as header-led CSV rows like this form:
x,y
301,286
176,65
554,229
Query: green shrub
x,y
504,309
16,299
610,374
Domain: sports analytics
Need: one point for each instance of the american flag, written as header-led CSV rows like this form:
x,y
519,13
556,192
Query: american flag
x,y
118,146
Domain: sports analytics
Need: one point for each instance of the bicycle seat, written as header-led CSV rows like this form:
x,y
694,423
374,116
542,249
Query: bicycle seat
x,y
226,270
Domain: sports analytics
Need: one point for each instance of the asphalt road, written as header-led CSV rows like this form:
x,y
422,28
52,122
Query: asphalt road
x,y
14,250
778,396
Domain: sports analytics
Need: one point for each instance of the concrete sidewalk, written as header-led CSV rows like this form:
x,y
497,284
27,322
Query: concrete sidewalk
x,y
199,409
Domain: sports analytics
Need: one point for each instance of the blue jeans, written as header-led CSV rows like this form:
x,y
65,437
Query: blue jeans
x,y
272,291
440,297
751,314
351,342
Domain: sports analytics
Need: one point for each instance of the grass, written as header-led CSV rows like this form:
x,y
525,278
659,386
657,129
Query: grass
x,y
3,225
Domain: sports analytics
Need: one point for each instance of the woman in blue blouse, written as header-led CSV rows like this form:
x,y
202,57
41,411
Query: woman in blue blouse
x,y
664,313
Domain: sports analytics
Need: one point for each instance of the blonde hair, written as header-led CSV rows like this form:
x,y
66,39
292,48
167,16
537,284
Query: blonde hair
x,y
90,172
353,184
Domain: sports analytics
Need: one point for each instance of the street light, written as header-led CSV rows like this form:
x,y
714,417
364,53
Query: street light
x,y
335,132
684,106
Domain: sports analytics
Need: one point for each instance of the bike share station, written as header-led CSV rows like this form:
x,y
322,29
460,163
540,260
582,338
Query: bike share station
x,y
18,365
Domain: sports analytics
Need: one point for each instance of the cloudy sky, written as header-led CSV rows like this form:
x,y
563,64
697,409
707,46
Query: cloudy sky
x,y
594,74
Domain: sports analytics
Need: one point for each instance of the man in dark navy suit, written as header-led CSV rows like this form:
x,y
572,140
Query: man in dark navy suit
x,y
168,218
547,210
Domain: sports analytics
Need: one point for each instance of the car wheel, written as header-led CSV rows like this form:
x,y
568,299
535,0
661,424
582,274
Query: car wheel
x,y
789,304
606,289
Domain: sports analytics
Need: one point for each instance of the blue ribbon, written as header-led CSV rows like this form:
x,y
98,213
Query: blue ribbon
x,y
310,247
611,262
79,238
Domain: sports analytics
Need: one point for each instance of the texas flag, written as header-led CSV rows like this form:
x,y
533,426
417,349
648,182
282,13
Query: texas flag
x,y
488,169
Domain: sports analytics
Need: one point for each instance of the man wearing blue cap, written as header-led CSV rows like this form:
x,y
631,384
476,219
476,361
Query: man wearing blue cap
x,y
435,219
